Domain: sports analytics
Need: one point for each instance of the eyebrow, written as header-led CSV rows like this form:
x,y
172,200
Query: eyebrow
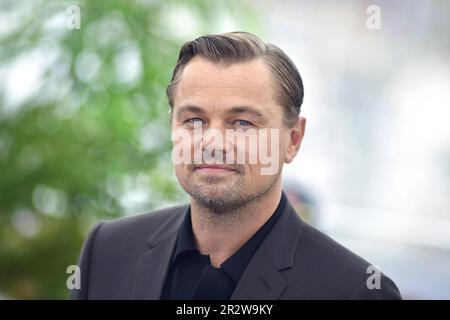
x,y
233,110
249,110
188,108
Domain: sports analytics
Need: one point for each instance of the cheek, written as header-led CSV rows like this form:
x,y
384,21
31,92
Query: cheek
x,y
282,151
272,147
254,180
283,146
183,152
180,170
251,147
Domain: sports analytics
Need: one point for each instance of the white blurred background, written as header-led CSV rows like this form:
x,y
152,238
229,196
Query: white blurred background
x,y
376,155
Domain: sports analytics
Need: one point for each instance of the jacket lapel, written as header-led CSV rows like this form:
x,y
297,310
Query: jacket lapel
x,y
154,264
262,279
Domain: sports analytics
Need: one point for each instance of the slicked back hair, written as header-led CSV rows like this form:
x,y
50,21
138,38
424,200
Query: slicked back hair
x,y
235,47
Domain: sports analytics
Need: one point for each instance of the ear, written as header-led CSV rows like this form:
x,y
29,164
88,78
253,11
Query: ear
x,y
296,134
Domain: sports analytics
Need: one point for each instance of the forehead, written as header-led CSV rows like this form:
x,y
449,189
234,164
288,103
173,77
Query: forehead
x,y
207,83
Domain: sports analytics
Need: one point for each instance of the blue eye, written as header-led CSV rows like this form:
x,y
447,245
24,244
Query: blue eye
x,y
243,123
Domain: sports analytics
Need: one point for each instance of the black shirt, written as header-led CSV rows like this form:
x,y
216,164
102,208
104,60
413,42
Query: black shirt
x,y
191,275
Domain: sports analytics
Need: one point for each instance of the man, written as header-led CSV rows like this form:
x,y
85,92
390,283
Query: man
x,y
239,238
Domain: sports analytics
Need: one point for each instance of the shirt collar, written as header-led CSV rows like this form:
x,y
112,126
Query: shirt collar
x,y
185,241
235,265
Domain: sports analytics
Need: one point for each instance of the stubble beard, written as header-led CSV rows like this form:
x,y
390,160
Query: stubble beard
x,y
222,198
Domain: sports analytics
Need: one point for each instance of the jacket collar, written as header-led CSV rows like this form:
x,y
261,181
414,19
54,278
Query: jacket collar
x,y
261,278
154,264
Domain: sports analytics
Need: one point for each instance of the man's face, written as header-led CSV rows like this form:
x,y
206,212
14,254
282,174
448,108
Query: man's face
x,y
213,100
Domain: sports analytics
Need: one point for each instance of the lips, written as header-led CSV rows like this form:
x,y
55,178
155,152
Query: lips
x,y
215,168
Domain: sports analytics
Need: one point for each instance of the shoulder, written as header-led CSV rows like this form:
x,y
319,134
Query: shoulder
x,y
139,225
320,247
335,272
113,248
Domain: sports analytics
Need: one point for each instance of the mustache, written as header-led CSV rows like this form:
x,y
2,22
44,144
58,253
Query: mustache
x,y
214,157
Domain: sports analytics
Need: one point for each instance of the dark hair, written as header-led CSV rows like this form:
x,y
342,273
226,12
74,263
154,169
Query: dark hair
x,y
235,47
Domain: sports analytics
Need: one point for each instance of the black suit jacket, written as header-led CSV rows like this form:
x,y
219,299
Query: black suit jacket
x,y
129,258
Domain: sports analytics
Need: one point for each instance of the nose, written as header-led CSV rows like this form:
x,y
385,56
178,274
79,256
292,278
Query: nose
x,y
214,139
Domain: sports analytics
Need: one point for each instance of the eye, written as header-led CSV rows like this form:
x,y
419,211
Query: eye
x,y
243,123
193,121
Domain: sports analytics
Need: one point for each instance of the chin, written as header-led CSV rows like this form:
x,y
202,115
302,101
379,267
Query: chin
x,y
215,191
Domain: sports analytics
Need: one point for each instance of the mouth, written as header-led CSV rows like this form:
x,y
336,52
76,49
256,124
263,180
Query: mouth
x,y
215,168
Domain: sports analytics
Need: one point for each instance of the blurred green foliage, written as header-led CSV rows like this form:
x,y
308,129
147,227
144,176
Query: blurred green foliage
x,y
84,128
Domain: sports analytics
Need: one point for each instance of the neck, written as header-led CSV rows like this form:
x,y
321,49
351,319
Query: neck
x,y
221,235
